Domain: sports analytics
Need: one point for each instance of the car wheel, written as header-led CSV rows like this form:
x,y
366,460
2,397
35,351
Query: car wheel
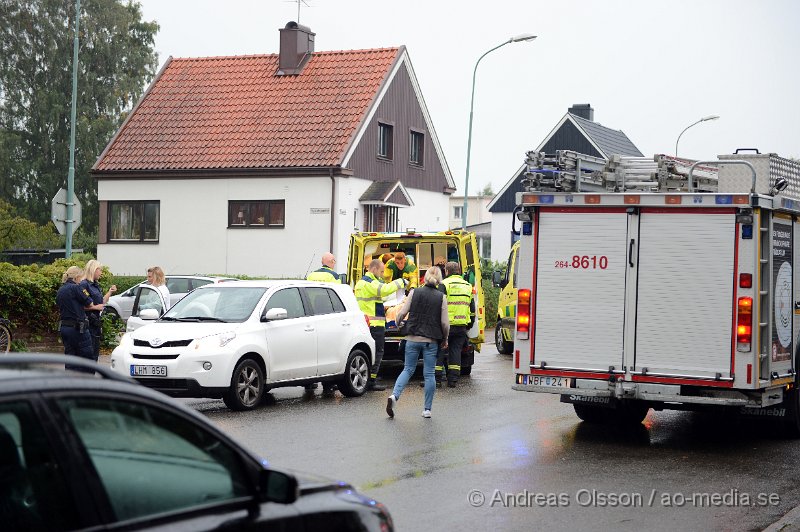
x,y
503,347
466,370
247,386
356,373
5,339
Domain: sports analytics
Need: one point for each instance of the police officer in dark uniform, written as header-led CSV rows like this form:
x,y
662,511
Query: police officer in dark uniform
x,y
72,301
93,272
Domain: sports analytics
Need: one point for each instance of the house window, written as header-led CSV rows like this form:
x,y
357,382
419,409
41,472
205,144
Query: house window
x,y
133,221
417,148
263,213
457,210
385,134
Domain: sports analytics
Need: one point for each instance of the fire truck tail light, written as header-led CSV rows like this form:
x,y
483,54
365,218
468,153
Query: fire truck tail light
x,y
746,280
744,324
523,313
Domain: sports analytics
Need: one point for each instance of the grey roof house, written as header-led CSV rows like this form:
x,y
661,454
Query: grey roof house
x,y
576,131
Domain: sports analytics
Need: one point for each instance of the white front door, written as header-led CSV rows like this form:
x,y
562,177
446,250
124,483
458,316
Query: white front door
x,y
291,342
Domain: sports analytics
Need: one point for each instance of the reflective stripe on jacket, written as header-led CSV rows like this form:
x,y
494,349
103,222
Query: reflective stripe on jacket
x,y
369,292
324,274
459,297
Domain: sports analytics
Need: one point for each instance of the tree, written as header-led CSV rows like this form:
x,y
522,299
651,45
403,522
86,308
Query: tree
x,y
116,61
19,233
487,191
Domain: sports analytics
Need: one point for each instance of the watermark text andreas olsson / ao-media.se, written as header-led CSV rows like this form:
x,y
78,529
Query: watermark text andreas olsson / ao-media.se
x,y
592,498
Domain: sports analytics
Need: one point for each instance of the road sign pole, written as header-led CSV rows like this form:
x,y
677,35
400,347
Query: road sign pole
x,y
73,113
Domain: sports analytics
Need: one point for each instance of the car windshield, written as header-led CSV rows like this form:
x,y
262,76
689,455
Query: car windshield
x,y
214,303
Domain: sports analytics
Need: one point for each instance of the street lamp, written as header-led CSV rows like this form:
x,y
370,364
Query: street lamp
x,y
69,222
519,38
704,119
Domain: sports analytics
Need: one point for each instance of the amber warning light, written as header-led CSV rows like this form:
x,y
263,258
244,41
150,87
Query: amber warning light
x,y
744,324
523,313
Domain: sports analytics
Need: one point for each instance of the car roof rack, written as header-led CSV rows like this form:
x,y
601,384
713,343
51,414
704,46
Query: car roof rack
x,y
46,359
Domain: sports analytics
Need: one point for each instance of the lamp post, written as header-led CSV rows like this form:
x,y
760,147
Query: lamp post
x,y
519,38
72,118
704,119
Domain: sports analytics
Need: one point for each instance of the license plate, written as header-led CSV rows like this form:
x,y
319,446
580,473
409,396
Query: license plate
x,y
148,371
551,382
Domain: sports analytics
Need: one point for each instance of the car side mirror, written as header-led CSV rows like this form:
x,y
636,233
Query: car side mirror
x,y
149,314
496,276
274,486
275,314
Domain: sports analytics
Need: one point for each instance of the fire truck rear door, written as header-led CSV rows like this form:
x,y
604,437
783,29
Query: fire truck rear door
x,y
579,279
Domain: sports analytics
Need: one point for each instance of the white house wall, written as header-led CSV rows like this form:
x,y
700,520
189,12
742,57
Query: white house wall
x,y
429,213
195,238
501,235
194,235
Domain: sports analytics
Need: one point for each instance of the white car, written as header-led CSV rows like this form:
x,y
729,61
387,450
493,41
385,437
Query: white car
x,y
121,305
236,340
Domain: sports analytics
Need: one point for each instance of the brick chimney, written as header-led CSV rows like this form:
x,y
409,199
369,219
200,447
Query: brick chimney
x,y
583,110
297,45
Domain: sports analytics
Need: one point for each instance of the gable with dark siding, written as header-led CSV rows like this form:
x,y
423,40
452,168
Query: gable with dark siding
x,y
401,109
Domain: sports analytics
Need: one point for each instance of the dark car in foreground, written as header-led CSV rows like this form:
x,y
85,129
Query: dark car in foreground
x,y
95,451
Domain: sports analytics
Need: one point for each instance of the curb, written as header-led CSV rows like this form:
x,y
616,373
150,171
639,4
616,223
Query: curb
x,y
789,522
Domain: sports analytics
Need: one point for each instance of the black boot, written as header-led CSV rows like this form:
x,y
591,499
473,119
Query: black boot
x,y
374,386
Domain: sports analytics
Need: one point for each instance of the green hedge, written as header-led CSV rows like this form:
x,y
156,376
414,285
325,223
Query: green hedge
x,y
28,295
490,294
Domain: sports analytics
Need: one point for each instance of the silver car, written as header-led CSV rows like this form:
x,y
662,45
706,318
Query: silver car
x,y
121,305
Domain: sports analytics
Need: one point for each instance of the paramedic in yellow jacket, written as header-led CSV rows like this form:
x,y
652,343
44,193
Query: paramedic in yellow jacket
x,y
370,291
326,274
401,267
461,314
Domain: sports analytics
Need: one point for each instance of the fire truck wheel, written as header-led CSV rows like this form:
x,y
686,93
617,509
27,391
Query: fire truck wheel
x,y
791,423
503,347
631,413
591,413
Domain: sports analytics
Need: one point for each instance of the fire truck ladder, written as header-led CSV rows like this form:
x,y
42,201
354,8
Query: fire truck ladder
x,y
570,171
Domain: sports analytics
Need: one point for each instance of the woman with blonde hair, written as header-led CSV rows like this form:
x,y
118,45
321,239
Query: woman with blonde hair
x,y
156,278
73,301
94,270
428,326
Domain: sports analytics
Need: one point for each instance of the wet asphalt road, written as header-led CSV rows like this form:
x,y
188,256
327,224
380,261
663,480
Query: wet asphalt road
x,y
494,458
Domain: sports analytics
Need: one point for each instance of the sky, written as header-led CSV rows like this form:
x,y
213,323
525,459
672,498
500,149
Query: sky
x,y
647,67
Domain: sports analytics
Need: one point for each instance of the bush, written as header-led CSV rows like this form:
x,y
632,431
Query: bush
x,y
490,293
28,294
112,327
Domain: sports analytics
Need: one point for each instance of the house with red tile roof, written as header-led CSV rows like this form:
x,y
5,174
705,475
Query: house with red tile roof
x,y
259,164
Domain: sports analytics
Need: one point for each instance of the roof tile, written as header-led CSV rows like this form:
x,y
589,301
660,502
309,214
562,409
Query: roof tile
x,y
235,112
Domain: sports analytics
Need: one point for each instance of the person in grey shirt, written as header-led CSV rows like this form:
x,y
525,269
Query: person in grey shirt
x,y
428,327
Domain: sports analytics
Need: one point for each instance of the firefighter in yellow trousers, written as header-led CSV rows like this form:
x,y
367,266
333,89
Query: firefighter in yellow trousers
x,y
370,291
461,313
326,274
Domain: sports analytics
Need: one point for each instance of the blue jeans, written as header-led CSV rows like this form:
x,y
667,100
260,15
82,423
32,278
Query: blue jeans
x,y
428,351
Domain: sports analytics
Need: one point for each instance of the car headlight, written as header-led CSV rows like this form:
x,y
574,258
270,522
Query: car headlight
x,y
225,338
